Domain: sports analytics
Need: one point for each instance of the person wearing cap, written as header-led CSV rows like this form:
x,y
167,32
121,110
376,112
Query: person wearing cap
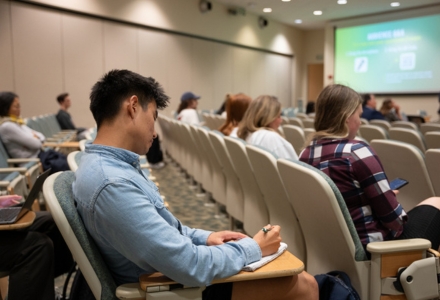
x,y
187,111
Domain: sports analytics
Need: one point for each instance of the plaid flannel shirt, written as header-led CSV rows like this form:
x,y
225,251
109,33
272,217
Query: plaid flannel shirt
x,y
358,173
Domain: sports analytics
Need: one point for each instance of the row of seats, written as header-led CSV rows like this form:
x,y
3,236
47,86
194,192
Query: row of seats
x,y
406,161
430,140
50,128
257,188
17,175
213,121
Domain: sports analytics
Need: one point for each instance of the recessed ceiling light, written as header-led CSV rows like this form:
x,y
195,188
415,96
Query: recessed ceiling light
x,y
342,1
298,21
395,4
267,10
317,12
285,0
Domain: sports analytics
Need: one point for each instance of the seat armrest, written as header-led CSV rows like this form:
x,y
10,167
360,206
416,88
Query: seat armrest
x,y
22,160
130,291
398,246
433,252
10,170
4,184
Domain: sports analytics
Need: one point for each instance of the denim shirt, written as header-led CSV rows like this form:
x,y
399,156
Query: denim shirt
x,y
124,213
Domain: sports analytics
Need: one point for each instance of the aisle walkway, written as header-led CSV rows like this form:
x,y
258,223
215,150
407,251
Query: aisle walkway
x,y
184,203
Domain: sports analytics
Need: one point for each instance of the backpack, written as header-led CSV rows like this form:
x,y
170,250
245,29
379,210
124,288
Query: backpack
x,y
336,285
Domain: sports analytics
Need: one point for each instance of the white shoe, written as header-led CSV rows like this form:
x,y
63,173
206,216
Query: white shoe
x,y
158,165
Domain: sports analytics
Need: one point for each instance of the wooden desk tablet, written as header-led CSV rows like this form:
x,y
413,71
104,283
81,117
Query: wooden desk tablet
x,y
285,265
23,222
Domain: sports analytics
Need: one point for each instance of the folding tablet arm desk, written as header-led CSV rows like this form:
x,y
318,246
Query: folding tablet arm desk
x,y
158,286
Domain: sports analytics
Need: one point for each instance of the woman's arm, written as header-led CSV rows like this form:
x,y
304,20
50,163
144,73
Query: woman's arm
x,y
21,135
371,176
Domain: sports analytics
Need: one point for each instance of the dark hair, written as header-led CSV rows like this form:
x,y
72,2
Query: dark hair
x,y
184,104
310,107
365,99
61,97
113,88
6,99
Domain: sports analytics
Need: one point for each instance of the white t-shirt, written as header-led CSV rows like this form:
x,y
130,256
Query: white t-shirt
x,y
189,115
234,132
273,142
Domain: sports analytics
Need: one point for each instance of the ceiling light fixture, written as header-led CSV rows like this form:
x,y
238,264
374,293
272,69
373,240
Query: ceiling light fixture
x,y
285,0
317,12
267,10
298,21
342,1
395,4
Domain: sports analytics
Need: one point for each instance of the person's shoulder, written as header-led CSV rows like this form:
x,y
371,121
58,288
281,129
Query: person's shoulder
x,y
5,126
361,149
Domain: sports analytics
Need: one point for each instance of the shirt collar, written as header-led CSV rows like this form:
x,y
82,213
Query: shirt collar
x,y
118,153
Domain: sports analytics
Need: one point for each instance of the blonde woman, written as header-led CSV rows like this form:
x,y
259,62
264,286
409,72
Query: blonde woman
x,y
358,173
236,106
259,127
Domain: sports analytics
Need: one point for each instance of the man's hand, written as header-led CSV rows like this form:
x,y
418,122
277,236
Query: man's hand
x,y
270,240
9,200
221,237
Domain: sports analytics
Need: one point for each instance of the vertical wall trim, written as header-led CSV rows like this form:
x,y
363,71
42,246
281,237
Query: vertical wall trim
x,y
12,47
63,64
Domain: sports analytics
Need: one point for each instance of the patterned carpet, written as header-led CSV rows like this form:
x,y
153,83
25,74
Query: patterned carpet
x,y
183,201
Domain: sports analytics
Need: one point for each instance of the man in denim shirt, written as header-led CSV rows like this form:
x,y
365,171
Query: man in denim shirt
x,y
125,215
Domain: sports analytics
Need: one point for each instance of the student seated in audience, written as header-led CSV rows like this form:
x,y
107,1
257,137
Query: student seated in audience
x,y
21,141
236,106
125,215
369,108
187,111
358,173
65,119
390,110
33,256
260,124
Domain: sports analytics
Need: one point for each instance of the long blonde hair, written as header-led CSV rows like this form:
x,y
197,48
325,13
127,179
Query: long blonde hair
x,y
236,106
335,104
261,112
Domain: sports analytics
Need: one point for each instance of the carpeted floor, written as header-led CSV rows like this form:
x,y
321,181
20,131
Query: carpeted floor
x,y
183,201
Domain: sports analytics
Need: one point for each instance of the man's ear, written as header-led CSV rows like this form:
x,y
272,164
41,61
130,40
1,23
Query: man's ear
x,y
133,106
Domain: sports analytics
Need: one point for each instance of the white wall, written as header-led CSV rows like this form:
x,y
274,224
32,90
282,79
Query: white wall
x,y
45,51
408,104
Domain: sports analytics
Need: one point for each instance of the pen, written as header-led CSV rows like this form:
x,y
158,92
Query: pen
x,y
266,230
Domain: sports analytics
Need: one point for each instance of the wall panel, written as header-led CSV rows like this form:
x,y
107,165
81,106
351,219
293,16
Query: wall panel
x,y
152,55
223,75
55,51
120,47
202,59
257,73
241,71
38,61
83,46
7,68
178,68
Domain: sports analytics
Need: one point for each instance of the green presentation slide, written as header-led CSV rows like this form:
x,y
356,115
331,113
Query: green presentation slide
x,y
393,57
